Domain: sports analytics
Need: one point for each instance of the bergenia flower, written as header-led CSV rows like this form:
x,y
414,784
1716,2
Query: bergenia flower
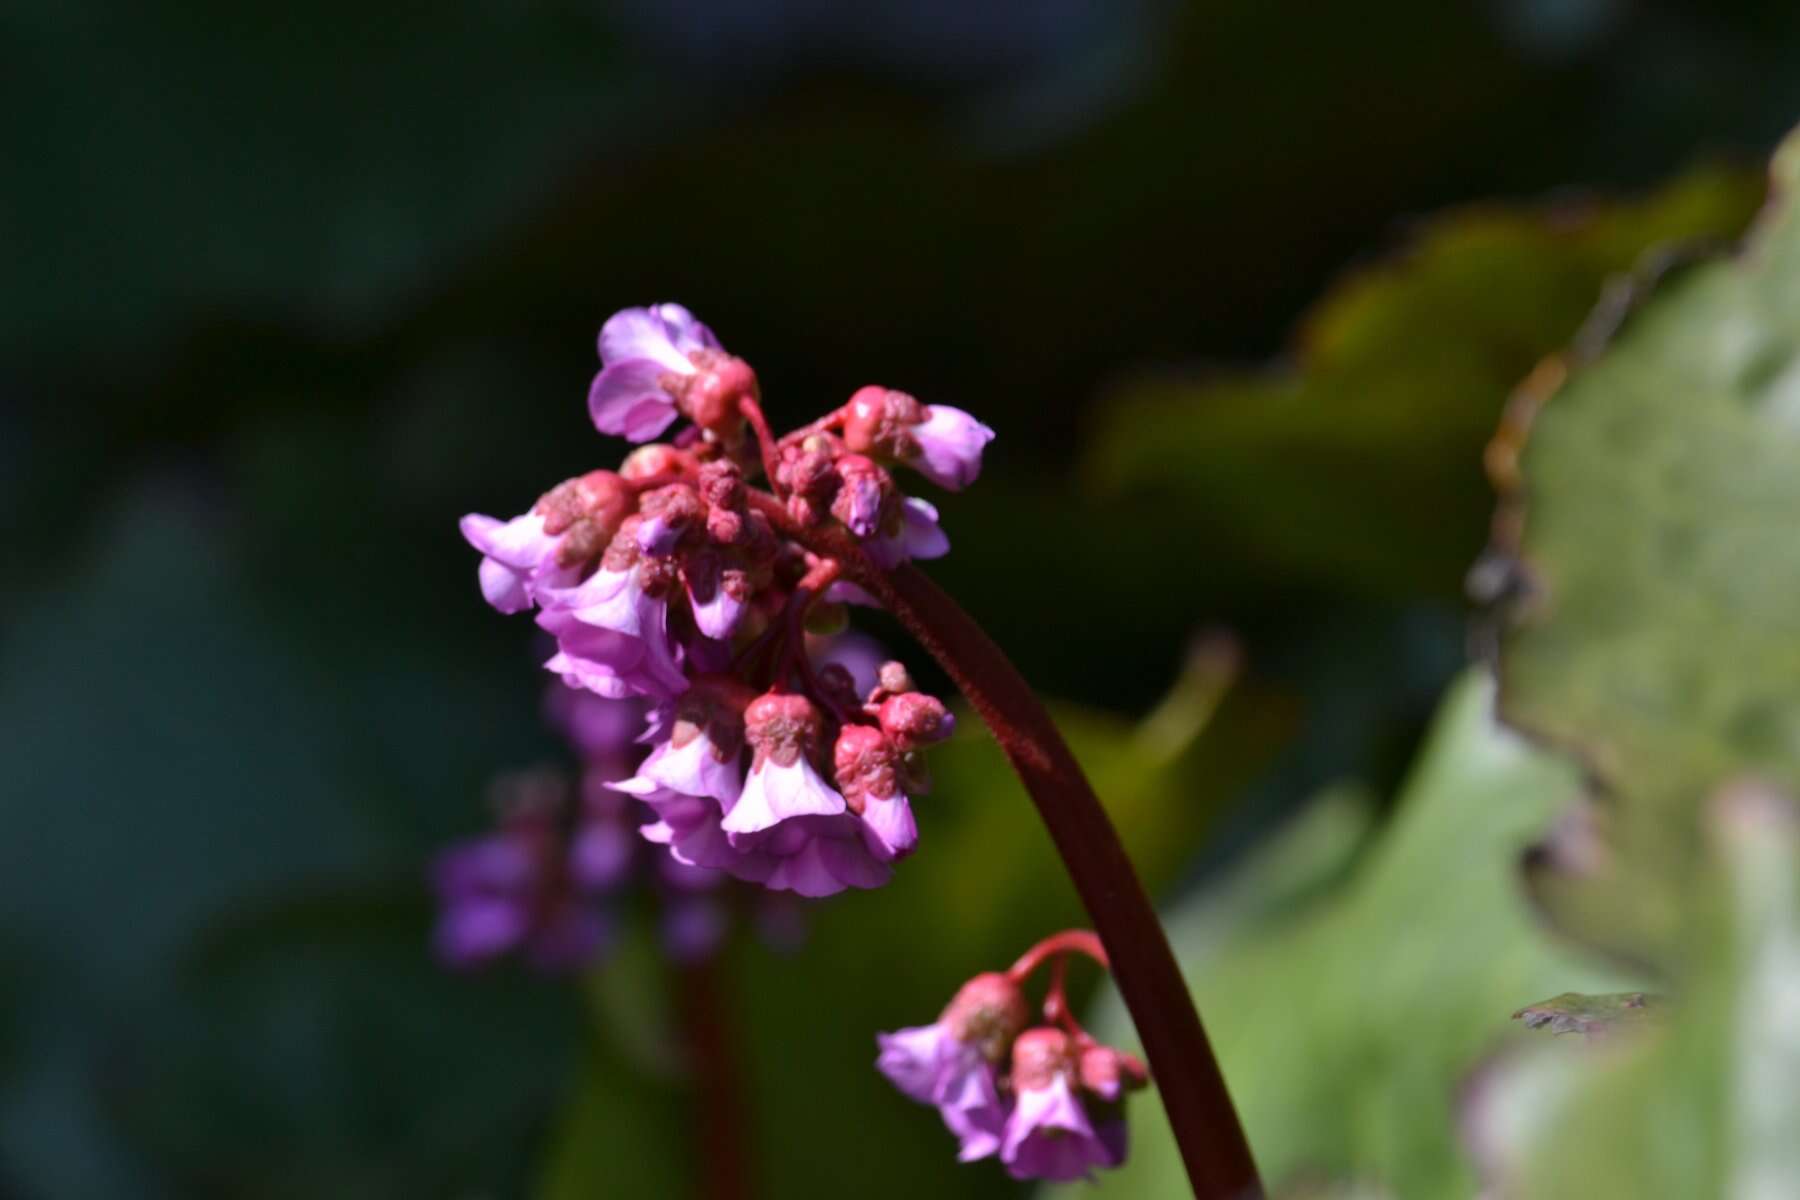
x,y
512,553
693,777
821,842
548,548
942,443
1049,1134
612,631
659,363
947,447
954,1063
911,532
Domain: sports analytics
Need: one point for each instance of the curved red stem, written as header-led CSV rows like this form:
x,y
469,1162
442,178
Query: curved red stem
x,y
1212,1143
1078,941
765,440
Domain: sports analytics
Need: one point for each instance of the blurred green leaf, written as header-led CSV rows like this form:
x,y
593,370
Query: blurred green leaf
x,y
1319,468
1345,1028
1704,1106
1573,1012
1655,634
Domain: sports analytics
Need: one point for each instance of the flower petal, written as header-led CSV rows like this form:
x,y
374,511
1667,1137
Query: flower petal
x,y
643,333
627,399
774,793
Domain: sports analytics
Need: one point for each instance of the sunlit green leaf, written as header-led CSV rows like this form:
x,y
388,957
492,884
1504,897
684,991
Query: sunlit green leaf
x,y
1656,633
1346,1028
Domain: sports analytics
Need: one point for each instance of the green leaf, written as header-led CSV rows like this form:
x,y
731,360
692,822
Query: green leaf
x,y
1656,633
1317,468
1706,1106
1573,1012
1345,1028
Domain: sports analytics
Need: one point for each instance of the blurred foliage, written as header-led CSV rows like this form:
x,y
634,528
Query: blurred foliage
x,y
1346,1023
1316,469
1654,634
1706,1106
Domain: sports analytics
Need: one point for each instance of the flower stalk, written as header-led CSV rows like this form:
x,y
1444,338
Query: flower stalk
x,y
1211,1139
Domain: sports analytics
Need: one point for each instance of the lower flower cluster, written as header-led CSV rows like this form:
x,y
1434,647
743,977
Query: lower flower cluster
x,y
1047,1101
551,883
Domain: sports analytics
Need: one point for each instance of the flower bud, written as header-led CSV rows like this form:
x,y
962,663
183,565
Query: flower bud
x,y
668,514
864,493
894,679
1039,1056
782,726
647,462
864,762
877,420
987,1012
710,397
914,719
1110,1073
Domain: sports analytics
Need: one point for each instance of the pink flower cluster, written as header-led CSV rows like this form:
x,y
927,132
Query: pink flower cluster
x,y
1047,1101
676,581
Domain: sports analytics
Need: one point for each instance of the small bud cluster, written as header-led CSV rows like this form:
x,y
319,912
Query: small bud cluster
x,y
1048,1100
550,883
675,581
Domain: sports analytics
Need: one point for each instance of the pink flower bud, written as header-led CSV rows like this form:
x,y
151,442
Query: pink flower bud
x,y
914,719
894,678
877,421
648,462
987,1012
710,396
782,726
1039,1056
1110,1073
864,493
865,763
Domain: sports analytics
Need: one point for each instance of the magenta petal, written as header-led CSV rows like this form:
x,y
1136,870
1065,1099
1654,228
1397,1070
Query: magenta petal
x,y
663,333
968,1099
851,863
695,770
608,600
919,531
949,442
641,334
774,793
1048,1136
912,1059
685,330
806,874
889,826
917,537
628,400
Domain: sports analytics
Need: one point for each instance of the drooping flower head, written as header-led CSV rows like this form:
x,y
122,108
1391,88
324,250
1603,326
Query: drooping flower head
x,y
1048,1102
